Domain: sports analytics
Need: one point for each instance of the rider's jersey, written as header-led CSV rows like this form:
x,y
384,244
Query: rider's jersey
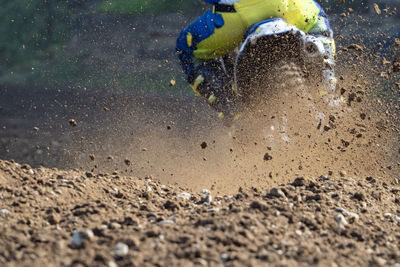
x,y
220,30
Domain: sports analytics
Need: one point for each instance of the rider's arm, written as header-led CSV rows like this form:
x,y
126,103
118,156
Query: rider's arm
x,y
185,48
192,35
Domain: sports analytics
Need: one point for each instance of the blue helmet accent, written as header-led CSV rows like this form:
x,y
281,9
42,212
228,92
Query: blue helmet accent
x,y
212,2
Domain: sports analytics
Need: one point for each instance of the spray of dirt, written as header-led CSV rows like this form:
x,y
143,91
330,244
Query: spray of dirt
x,y
296,133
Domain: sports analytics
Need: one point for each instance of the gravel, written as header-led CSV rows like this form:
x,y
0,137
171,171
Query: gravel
x,y
305,222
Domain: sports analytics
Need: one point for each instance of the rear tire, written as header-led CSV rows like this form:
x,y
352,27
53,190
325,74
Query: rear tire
x,y
280,107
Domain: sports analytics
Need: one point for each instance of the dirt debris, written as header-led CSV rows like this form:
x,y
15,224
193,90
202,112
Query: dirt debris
x,y
57,217
72,122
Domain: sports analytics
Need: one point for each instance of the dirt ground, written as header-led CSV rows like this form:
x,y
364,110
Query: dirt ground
x,y
73,218
93,178
168,189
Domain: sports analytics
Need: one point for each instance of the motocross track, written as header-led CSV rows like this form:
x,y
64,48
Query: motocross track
x,y
345,211
129,169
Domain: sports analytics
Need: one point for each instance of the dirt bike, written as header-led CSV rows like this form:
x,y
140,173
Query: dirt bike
x,y
277,74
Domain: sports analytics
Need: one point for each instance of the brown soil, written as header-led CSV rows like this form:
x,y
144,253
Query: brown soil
x,y
50,217
131,166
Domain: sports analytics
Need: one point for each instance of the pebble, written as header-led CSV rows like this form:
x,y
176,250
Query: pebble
x,y
379,261
224,257
72,122
79,238
207,199
207,196
340,219
4,211
205,192
348,213
203,145
199,261
267,157
299,181
275,192
387,215
121,249
112,264
166,222
114,225
324,178
184,195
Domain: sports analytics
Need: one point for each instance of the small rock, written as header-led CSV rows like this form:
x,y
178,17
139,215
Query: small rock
x,y
378,261
343,173
324,178
203,145
80,237
267,157
172,206
172,82
166,222
275,192
127,162
257,205
377,9
356,47
121,249
36,129
54,218
205,192
184,195
358,196
153,233
92,157
206,199
299,181
340,219
350,214
114,225
4,211
72,122
370,180
201,262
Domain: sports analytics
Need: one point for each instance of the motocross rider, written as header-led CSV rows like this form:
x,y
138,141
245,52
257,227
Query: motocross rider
x,y
202,45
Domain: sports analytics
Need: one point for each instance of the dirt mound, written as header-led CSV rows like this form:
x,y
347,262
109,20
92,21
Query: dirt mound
x,y
72,218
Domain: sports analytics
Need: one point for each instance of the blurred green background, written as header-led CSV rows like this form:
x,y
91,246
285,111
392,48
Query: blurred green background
x,y
57,43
